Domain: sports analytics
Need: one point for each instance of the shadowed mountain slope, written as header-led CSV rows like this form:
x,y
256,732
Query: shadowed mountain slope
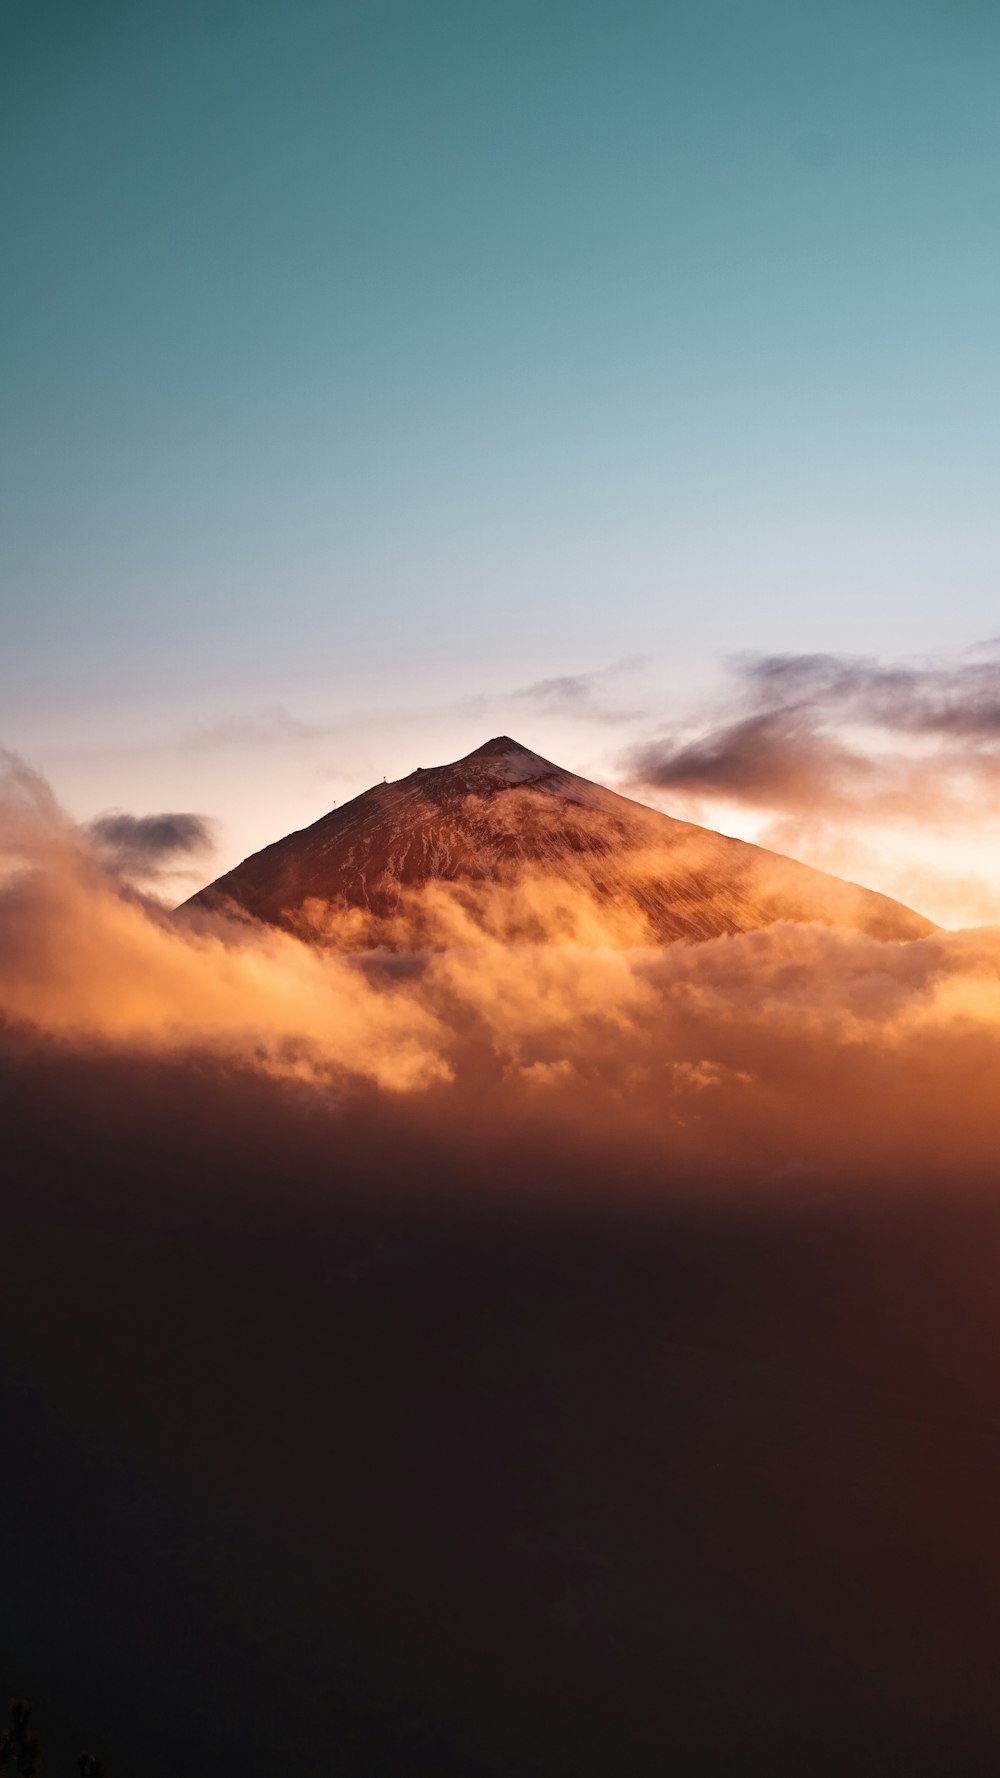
x,y
503,814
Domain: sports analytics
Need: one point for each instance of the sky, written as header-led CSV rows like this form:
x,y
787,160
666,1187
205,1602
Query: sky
x,y
382,377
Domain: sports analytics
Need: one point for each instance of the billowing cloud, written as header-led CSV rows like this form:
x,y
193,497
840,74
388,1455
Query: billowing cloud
x,y
510,1297
530,1008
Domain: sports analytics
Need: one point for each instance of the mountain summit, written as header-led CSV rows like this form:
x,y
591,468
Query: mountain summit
x,y
504,812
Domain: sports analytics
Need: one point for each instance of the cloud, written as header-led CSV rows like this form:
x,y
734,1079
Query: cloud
x,y
30,811
566,691
831,735
949,698
528,1014
265,728
456,1387
775,758
144,844
85,960
501,1306
581,694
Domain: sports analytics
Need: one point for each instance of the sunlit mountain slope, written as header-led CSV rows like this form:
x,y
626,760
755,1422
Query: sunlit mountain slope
x,y
503,814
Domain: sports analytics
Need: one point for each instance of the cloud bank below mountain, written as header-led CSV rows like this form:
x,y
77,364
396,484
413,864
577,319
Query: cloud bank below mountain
x,y
795,1052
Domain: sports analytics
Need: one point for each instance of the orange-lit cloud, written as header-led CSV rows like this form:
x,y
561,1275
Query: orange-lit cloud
x,y
799,1047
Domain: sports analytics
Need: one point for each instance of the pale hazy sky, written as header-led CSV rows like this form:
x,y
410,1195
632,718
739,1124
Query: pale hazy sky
x,y
366,364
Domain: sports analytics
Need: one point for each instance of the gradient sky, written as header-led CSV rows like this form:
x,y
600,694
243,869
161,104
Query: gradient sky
x,y
365,364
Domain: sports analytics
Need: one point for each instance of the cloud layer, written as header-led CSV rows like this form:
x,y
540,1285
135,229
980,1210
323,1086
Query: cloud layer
x,y
794,1051
515,1325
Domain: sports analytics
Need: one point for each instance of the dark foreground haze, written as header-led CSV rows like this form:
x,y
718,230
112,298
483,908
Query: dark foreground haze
x,y
559,1359
326,1455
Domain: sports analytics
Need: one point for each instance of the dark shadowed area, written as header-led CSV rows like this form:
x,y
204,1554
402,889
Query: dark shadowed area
x,y
487,1343
329,1453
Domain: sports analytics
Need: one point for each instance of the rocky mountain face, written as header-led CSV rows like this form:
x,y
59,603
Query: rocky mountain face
x,y
503,815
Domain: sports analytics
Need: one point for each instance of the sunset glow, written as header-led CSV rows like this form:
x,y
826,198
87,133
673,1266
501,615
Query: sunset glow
x,y
500,889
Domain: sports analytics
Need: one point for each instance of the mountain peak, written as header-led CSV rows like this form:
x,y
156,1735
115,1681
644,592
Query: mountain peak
x,y
499,744
504,812
503,761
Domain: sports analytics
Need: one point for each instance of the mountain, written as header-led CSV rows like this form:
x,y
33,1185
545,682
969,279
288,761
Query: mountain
x,y
504,812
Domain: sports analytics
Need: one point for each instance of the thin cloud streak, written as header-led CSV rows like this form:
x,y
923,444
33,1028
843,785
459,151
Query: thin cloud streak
x,y
265,728
832,736
582,694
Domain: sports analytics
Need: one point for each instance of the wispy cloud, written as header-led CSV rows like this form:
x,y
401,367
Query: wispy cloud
x,y
272,727
583,694
833,734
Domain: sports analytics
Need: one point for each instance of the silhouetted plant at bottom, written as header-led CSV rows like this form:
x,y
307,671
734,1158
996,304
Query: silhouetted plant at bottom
x,y
19,1744
91,1767
20,1751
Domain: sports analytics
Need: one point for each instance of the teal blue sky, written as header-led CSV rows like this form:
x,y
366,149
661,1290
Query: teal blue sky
x,y
366,363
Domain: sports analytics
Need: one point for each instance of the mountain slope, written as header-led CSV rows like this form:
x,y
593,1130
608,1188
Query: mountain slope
x,y
503,812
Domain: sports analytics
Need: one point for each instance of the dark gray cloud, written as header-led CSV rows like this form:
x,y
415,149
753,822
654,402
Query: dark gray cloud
x,y
145,844
953,698
774,756
826,733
